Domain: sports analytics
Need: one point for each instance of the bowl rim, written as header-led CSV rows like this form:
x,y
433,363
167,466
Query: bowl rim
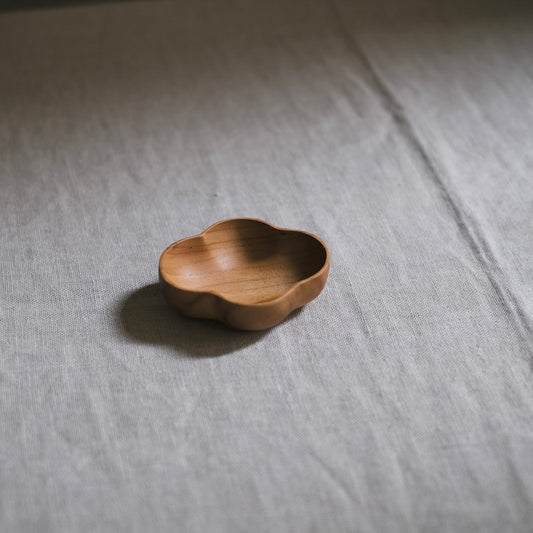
x,y
319,273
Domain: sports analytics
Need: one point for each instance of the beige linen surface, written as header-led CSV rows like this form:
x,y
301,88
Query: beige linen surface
x,y
401,399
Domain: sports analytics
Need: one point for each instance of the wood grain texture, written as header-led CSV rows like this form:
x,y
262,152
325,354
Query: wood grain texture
x,y
244,272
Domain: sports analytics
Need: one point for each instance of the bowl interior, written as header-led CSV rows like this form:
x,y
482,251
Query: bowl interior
x,y
244,261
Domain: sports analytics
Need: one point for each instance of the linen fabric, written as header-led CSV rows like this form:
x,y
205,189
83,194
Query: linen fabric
x,y
401,399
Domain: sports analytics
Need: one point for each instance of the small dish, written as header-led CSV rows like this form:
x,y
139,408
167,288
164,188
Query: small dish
x,y
244,272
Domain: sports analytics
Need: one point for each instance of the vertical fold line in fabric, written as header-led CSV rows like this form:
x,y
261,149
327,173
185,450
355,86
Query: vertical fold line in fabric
x,y
470,231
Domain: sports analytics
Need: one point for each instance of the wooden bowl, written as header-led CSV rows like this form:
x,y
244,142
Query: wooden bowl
x,y
244,272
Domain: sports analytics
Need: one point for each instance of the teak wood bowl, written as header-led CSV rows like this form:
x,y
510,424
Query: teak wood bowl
x,y
244,272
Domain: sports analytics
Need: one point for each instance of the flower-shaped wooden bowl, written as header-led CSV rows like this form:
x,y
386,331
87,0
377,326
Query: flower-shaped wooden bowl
x,y
244,272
